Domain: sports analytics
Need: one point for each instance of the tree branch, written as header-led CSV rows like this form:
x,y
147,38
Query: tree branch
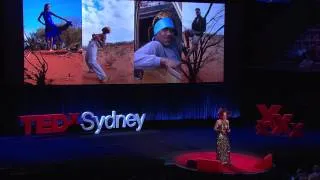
x,y
184,73
209,36
200,56
216,17
32,64
213,44
210,6
207,59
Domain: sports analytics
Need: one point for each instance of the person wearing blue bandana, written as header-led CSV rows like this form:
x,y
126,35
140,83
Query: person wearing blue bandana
x,y
162,51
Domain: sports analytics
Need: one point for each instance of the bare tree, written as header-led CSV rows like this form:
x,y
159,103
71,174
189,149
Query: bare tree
x,y
137,5
203,54
40,67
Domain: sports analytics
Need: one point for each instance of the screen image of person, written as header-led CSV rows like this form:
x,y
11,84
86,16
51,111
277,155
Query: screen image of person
x,y
199,25
52,31
52,42
108,42
97,41
151,42
183,44
203,42
161,52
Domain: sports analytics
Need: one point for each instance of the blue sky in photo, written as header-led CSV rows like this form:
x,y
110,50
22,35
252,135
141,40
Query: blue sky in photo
x,y
93,15
68,9
188,15
117,14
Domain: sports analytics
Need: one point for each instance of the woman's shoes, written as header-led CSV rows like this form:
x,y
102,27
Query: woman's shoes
x,y
226,164
106,79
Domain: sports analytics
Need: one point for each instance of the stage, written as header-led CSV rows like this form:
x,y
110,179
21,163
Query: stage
x,y
150,152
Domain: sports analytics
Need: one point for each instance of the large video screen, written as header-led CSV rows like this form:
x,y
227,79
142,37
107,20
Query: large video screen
x,y
86,42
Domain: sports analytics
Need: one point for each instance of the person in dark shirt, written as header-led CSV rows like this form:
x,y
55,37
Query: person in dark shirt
x,y
199,26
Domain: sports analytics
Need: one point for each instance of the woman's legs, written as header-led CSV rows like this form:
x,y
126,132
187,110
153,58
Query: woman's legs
x,y
88,64
98,70
223,149
51,43
51,32
91,60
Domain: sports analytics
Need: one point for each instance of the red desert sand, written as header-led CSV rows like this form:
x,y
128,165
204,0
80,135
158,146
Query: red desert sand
x,y
69,68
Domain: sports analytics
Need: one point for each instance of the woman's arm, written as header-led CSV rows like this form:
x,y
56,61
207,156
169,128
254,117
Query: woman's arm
x,y
39,18
98,39
216,126
146,57
59,17
102,40
228,130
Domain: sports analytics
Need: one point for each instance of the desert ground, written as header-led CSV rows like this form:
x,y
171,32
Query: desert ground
x,y
117,62
64,68
69,68
213,71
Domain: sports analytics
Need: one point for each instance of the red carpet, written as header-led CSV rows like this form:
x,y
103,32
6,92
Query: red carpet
x,y
240,163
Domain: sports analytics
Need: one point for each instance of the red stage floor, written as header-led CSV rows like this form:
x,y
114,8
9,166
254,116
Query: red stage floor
x,y
240,163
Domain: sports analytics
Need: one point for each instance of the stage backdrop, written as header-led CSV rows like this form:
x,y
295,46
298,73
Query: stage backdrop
x,y
160,102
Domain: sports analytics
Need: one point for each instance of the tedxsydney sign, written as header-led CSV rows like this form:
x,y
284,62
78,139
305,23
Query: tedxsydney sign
x,y
58,123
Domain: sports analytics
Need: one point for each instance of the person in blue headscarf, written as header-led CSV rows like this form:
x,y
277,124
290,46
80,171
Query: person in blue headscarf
x,y
51,30
162,51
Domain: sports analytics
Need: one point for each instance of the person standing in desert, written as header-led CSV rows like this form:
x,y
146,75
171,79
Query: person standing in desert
x,y
97,41
51,30
199,26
